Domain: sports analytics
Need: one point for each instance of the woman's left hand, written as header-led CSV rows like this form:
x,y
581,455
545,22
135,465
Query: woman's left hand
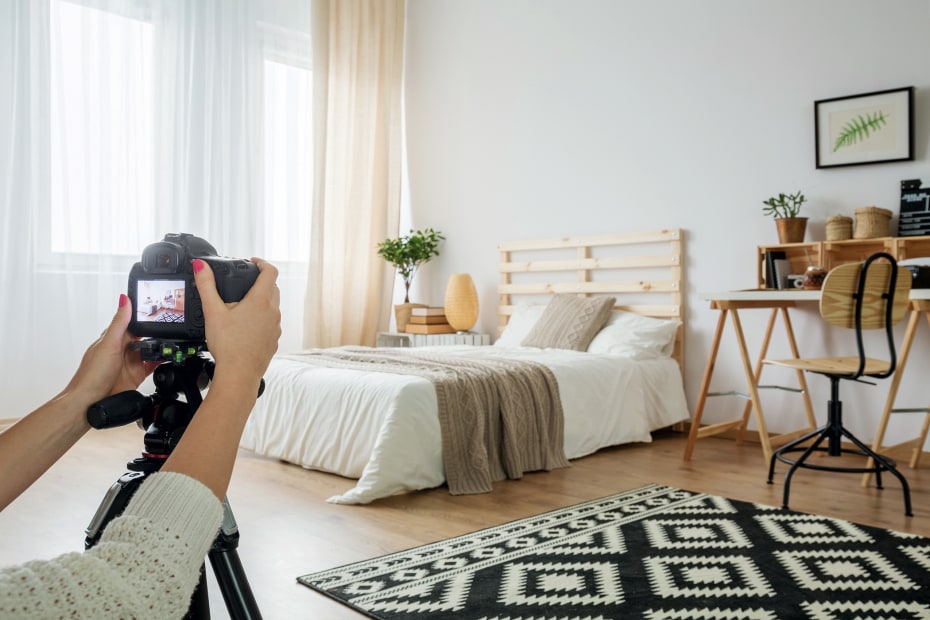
x,y
109,366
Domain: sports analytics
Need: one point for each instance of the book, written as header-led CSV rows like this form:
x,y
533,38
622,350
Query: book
x,y
436,328
428,320
773,275
782,270
430,311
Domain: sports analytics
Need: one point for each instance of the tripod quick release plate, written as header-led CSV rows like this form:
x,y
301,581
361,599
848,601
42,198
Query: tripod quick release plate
x,y
155,350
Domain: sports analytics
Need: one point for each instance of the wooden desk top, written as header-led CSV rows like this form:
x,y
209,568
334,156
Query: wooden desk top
x,y
771,298
765,294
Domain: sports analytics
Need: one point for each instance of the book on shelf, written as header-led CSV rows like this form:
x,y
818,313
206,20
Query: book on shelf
x,y
435,328
430,311
428,320
776,269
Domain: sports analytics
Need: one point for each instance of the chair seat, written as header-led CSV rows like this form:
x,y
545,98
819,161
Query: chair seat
x,y
838,366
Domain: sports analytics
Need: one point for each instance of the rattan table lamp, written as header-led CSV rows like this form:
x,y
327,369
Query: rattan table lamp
x,y
461,302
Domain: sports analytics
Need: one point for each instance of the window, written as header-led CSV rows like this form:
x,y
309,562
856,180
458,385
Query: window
x,y
102,149
104,129
288,164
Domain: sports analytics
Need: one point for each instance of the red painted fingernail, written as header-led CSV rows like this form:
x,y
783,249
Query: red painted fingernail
x,y
123,300
198,265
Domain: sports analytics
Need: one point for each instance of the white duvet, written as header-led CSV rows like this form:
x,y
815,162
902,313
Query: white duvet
x,y
383,428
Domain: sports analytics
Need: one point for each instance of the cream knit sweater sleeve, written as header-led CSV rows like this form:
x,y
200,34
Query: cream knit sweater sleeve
x,y
146,564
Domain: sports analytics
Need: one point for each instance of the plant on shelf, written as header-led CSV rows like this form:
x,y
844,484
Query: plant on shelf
x,y
407,253
784,205
785,208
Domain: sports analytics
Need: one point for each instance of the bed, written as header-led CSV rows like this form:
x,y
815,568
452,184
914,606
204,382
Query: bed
x,y
354,412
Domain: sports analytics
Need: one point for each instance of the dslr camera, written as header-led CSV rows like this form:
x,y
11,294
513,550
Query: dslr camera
x,y
165,301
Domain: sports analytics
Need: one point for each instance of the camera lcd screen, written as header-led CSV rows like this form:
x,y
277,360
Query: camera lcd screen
x,y
160,301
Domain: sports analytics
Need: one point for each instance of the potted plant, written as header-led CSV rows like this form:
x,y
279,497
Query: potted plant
x,y
406,254
785,208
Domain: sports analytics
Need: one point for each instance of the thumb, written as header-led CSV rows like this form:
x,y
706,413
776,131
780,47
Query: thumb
x,y
206,285
120,321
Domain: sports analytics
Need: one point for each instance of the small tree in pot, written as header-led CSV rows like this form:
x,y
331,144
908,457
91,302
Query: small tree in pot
x,y
407,253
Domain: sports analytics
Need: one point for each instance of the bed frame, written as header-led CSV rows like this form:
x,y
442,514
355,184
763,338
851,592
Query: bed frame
x,y
642,270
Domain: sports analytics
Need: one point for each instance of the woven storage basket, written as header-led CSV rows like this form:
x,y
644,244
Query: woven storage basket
x,y
839,228
872,222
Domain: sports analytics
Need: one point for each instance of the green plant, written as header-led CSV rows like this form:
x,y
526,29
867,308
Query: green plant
x,y
784,205
408,252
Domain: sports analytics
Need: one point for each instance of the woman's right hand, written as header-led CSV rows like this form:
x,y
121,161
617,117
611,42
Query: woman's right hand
x,y
242,336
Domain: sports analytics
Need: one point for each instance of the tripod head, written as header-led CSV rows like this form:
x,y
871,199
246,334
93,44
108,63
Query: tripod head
x,y
163,417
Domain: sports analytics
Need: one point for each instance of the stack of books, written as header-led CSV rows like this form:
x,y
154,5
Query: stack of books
x,y
430,320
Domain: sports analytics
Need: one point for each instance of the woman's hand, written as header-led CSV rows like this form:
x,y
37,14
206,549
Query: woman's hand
x,y
34,443
109,366
242,336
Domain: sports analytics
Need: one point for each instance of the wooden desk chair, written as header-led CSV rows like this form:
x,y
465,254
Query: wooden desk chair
x,y
857,296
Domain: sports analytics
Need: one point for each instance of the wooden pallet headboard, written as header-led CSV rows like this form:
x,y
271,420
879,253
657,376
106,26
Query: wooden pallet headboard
x,y
642,270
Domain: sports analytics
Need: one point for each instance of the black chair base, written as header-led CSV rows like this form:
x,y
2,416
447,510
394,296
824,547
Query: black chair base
x,y
833,432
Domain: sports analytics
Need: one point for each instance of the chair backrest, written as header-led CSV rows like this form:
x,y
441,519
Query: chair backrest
x,y
865,296
838,298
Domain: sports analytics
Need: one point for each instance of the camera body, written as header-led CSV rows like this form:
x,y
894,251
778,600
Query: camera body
x,y
165,301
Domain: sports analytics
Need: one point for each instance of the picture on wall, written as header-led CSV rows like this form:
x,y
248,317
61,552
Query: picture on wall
x,y
865,129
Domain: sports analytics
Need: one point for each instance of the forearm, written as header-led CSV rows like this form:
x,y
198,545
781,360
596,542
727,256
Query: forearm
x,y
207,451
32,445
146,564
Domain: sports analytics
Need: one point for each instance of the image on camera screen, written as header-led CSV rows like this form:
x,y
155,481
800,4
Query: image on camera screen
x,y
160,301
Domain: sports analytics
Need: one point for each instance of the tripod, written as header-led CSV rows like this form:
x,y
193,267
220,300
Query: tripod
x,y
165,418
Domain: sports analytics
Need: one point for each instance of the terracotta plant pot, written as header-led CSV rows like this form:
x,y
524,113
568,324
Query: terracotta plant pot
x,y
791,229
402,314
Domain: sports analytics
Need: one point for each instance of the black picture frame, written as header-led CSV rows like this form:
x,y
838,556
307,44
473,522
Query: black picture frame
x,y
870,128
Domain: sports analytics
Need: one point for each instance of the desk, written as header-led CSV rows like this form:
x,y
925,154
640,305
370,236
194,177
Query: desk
x,y
729,304
919,306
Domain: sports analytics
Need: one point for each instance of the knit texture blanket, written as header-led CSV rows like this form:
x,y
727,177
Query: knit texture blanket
x,y
498,418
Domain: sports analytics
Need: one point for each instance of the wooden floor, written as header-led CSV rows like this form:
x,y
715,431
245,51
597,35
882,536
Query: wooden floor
x,y
288,529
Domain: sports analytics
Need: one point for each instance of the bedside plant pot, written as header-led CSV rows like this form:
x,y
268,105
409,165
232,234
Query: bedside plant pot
x,y
402,314
791,229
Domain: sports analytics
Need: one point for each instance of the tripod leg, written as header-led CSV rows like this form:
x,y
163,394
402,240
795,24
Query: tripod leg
x,y
112,505
230,576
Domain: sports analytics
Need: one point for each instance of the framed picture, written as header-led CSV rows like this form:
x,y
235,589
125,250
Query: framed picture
x,y
865,129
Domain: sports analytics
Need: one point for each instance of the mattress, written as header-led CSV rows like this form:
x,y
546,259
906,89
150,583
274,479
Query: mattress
x,y
382,429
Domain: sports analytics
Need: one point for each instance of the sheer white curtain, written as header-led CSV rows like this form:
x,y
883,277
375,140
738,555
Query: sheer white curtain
x,y
128,119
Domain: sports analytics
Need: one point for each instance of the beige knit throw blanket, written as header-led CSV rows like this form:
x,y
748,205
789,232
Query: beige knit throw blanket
x,y
498,418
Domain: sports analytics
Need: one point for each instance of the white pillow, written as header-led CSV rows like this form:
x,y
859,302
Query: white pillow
x,y
635,336
522,320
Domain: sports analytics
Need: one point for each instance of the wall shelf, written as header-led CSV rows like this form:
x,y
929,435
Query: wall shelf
x,y
829,254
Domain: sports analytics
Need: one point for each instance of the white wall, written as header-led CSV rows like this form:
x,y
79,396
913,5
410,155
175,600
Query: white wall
x,y
540,118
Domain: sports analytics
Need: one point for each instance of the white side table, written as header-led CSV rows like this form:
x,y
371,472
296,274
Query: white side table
x,y
396,339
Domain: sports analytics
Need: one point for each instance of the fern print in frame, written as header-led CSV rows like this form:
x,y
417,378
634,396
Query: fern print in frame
x,y
865,129
860,129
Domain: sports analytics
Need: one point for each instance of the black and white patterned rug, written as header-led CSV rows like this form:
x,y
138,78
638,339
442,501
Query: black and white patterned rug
x,y
655,552
170,317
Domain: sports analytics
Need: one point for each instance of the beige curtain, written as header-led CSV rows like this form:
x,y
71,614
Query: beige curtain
x,y
358,71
